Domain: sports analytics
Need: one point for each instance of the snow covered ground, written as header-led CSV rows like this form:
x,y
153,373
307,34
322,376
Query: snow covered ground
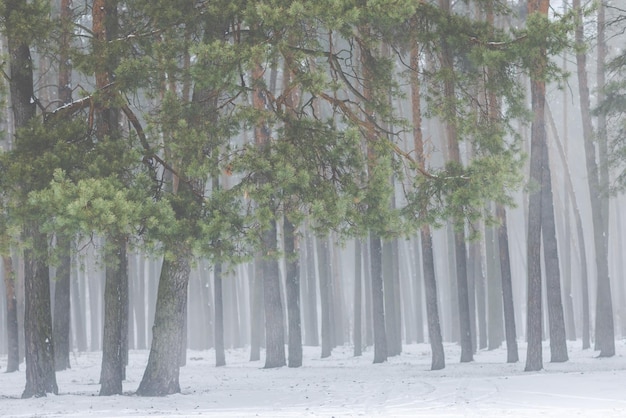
x,y
343,386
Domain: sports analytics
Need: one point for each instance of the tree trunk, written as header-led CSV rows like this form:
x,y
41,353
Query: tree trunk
x,y
558,344
40,373
534,358
323,255
438,361
394,347
62,302
378,299
292,287
580,233
39,348
494,290
79,326
311,332
161,375
605,338
459,235
116,319
220,355
62,306
13,344
418,279
358,298
274,316
256,310
512,355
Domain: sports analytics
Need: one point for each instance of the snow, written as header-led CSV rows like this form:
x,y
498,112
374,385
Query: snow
x,y
342,385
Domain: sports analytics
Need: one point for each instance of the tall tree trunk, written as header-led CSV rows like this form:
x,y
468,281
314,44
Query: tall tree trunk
x,y
605,338
323,255
13,344
218,297
512,355
62,301
292,287
428,263
358,299
418,294
459,235
115,325
40,373
274,315
256,309
62,306
558,343
39,347
311,332
534,358
581,237
378,299
392,325
162,372
494,289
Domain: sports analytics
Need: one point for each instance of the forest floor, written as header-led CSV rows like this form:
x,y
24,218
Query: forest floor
x,y
343,385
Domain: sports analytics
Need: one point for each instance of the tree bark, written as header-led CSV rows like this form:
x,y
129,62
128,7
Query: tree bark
x,y
581,237
323,255
512,355
116,322
274,315
558,343
358,299
39,347
256,310
292,287
311,332
378,299
13,344
218,297
428,263
162,372
467,354
62,306
534,359
605,334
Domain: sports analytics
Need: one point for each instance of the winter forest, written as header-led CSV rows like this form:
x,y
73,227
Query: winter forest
x,y
288,176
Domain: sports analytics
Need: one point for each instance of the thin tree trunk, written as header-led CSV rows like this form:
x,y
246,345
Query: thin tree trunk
x,y
512,355
311,332
218,297
393,347
13,344
459,235
358,298
605,338
430,283
62,301
378,299
581,237
256,310
323,255
534,358
62,306
292,288
558,343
